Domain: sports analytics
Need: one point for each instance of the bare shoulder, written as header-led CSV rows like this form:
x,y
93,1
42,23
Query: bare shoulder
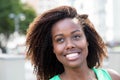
x,y
115,75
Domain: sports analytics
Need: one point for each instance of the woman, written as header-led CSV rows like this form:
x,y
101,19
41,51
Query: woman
x,y
64,45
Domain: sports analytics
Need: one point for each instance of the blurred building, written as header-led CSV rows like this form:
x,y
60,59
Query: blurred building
x,y
103,13
43,5
116,19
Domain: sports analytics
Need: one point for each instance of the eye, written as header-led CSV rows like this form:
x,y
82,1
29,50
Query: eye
x,y
76,37
60,40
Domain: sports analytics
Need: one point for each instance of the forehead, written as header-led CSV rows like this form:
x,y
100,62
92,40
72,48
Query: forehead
x,y
66,24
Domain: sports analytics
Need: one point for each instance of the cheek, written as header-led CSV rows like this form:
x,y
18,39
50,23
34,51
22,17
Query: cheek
x,y
58,49
84,46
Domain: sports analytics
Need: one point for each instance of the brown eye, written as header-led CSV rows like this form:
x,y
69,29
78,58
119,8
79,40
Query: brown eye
x,y
60,40
76,37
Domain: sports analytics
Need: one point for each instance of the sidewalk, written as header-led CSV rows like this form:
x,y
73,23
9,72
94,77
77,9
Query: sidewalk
x,y
29,72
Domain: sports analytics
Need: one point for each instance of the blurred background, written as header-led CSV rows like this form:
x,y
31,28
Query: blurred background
x,y
16,15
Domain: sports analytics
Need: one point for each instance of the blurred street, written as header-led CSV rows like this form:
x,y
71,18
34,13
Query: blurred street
x,y
113,61
29,71
23,70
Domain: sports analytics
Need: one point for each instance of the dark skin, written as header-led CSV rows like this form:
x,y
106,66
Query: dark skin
x,y
71,49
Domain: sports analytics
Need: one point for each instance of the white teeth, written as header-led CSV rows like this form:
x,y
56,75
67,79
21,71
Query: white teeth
x,y
72,56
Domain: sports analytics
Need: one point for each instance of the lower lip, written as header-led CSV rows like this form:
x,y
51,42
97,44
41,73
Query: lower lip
x,y
73,58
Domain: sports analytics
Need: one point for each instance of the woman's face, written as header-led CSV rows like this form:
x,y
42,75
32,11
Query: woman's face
x,y
69,43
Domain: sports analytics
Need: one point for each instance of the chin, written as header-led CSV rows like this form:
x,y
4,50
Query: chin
x,y
74,65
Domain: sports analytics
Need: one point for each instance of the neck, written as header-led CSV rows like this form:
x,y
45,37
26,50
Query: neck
x,y
80,73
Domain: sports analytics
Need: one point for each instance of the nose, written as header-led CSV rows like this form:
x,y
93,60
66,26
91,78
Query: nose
x,y
70,44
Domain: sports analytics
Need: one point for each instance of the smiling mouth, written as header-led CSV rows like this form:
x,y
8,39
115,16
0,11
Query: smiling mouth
x,y
72,56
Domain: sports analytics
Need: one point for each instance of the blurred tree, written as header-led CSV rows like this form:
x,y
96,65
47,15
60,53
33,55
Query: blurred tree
x,y
7,25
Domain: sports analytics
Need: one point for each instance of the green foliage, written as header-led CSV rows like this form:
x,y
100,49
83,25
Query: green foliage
x,y
7,25
14,6
29,16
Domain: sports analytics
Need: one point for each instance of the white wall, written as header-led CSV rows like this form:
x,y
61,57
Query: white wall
x,y
116,19
12,67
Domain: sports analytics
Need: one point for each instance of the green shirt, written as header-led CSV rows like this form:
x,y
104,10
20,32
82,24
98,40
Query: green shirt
x,y
101,74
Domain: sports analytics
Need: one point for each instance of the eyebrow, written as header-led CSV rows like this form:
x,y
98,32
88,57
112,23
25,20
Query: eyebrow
x,y
71,33
75,31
